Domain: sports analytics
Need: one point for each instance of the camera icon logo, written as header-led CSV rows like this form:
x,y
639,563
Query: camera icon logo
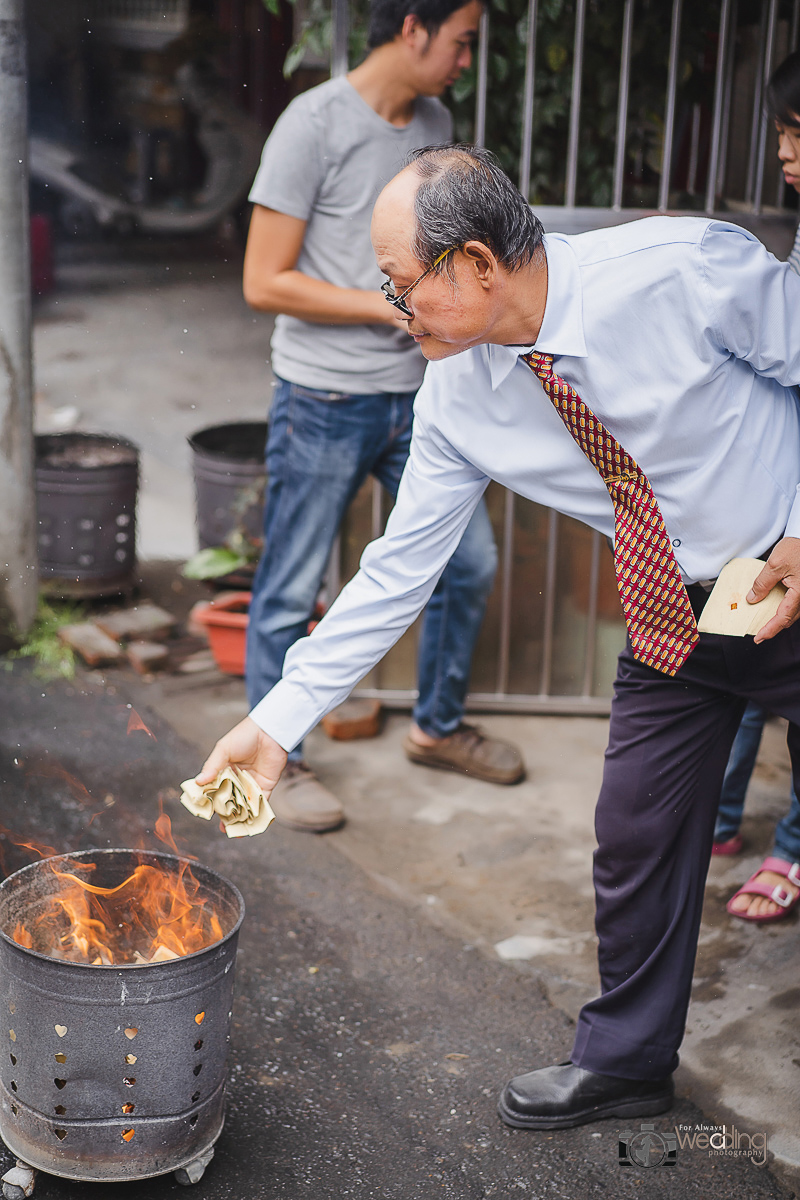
x,y
646,1147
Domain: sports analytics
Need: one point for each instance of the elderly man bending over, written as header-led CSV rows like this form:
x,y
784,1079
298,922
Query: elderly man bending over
x,y
640,379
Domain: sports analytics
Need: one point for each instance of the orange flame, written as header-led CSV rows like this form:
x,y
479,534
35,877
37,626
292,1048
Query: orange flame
x,y
7,835
38,848
135,722
154,915
22,937
163,831
52,770
158,913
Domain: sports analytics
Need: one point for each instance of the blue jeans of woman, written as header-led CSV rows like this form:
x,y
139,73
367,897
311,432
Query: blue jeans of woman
x,y
734,788
321,447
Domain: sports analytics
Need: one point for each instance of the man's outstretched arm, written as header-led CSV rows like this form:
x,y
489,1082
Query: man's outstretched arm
x,y
438,494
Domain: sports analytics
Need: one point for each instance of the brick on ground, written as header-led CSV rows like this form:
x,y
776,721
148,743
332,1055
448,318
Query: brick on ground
x,y
354,719
146,657
94,646
141,622
197,663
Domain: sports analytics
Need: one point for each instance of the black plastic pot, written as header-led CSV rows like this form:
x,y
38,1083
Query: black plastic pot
x,y
228,465
86,488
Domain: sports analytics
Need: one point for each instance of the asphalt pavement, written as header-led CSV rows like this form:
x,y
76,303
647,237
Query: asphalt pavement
x,y
368,1044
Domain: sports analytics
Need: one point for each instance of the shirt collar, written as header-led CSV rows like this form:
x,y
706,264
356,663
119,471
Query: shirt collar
x,y
562,325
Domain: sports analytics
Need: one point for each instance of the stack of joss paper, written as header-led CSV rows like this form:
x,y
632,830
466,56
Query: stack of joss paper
x,y
727,610
235,797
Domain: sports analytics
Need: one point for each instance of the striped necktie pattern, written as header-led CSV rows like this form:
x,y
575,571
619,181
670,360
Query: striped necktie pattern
x,y
655,602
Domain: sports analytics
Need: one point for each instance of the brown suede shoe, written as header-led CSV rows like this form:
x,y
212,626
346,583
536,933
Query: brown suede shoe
x,y
470,751
300,801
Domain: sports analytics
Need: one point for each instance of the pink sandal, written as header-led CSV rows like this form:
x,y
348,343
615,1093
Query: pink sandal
x,y
732,846
780,896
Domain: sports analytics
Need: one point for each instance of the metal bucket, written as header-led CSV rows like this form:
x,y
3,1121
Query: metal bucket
x,y
86,487
111,1073
228,464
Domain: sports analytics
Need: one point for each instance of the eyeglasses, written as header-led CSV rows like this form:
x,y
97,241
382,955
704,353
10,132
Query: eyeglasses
x,y
399,302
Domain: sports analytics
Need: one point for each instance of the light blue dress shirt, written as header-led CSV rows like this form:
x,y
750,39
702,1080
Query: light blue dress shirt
x,y
794,257
683,337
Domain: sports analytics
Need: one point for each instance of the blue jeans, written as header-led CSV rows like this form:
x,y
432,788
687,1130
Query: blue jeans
x,y
734,788
321,447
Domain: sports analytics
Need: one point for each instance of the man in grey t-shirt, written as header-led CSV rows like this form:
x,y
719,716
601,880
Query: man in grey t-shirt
x,y
348,373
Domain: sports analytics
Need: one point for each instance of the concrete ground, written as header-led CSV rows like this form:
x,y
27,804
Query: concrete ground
x,y
505,871
509,870
369,1042
153,350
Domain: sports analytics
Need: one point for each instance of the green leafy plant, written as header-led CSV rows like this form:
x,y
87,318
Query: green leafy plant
x,y
213,563
553,86
314,36
52,658
315,32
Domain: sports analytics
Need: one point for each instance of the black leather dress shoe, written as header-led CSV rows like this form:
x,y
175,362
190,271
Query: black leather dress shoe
x,y
563,1096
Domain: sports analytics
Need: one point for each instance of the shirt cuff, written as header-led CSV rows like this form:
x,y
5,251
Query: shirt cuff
x,y
287,714
793,524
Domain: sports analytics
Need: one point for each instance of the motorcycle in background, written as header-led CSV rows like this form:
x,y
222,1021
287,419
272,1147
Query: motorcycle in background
x,y
169,152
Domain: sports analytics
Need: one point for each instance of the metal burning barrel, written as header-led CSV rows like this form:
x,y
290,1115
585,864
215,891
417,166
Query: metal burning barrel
x,y
228,465
113,1072
86,488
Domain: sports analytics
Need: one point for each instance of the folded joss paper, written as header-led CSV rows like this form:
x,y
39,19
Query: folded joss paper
x,y
235,797
727,610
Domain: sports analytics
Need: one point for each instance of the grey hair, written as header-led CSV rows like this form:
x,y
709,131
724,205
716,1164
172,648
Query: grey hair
x,y
465,195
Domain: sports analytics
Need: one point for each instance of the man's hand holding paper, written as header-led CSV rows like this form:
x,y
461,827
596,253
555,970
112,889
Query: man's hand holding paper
x,y
756,598
248,749
783,566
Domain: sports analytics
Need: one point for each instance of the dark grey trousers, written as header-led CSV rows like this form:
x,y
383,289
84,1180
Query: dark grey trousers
x,y
668,748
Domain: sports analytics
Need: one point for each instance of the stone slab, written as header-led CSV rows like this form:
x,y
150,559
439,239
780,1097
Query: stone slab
x,y
94,646
139,622
148,657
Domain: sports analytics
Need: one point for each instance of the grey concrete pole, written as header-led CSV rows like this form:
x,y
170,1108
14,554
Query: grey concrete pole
x,y
18,567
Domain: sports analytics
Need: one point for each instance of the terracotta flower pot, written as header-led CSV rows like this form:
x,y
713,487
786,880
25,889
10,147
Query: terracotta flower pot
x,y
225,620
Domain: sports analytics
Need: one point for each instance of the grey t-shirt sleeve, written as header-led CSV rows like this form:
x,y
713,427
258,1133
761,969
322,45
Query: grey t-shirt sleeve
x,y
292,170
325,164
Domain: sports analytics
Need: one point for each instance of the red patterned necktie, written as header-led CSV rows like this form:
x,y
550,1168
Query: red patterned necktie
x,y
657,611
